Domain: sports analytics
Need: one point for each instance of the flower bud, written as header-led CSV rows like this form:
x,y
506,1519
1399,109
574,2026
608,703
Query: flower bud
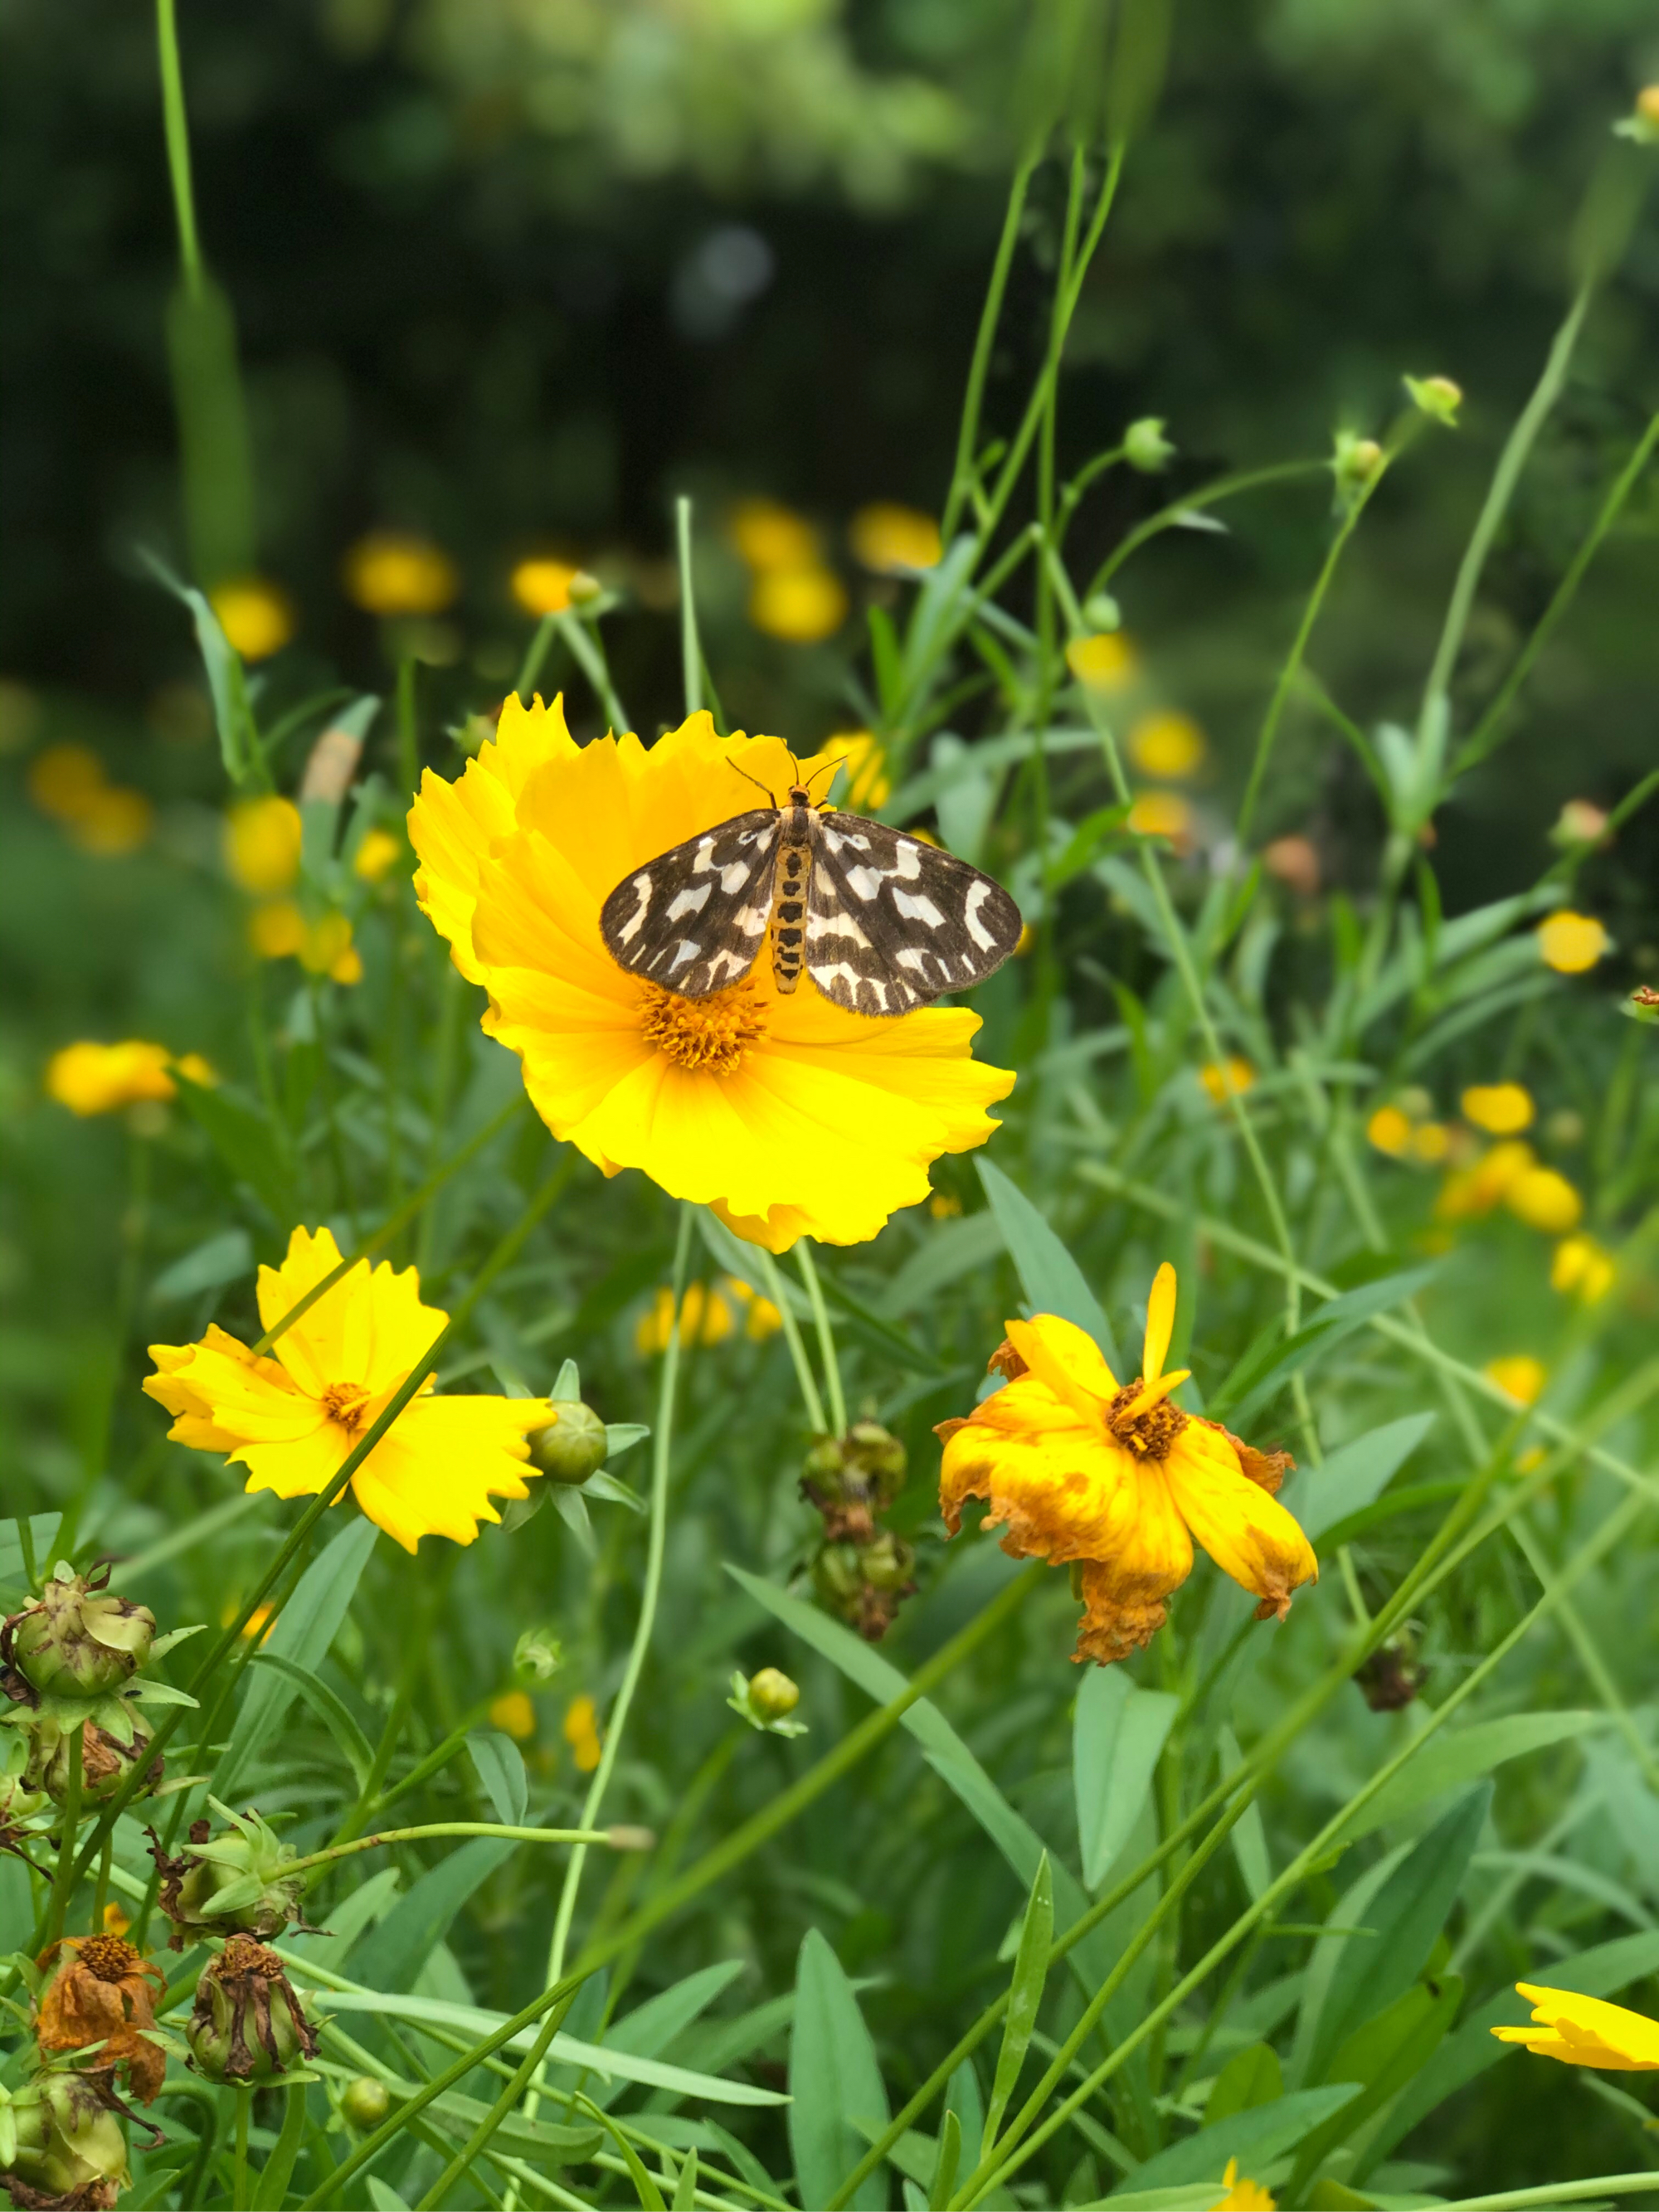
x,y
1101,611
766,1700
1146,448
365,2102
1354,462
1642,124
68,2146
79,1642
233,1885
573,1446
584,589
539,1654
247,2025
1437,396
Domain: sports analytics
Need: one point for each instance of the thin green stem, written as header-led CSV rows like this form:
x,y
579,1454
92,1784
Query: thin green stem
x,y
100,1895
1557,2192
607,1837
64,1872
535,655
588,653
238,2175
690,649
437,1757
1167,518
963,475
809,1275
177,129
816,1420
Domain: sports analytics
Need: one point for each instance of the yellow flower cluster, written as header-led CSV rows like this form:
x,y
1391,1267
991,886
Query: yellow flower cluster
x,y
1117,1479
98,1078
581,1733
785,1115
69,783
262,844
292,1421
793,593
706,1317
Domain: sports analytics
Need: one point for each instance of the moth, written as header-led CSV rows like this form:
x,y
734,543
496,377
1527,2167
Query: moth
x,y
882,923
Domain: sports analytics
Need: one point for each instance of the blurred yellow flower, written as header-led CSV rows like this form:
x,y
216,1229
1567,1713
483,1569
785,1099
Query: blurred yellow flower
x,y
98,1078
581,1733
67,782
514,1714
542,588
1162,814
705,1318
1544,1199
802,606
768,535
864,767
1119,1480
1242,2194
377,855
255,615
116,1922
1105,661
292,1420
1583,1268
1430,1142
761,1317
1027,937
1585,2032
276,930
1226,1079
279,930
390,572
1572,943
262,844
1167,744
118,821
1486,1183
894,540
727,1100
1518,1375
1390,1131
1502,1109
945,1206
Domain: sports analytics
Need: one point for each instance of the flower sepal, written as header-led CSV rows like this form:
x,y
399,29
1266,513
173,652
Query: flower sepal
x,y
235,1884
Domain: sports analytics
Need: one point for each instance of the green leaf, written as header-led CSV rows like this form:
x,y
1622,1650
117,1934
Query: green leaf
x,y
278,2169
1462,1755
1251,2077
946,2164
646,2191
884,659
1337,1318
244,1141
1249,1838
1384,2055
649,2029
1050,1277
955,1248
1354,1476
833,2079
41,1529
383,2197
685,2189
218,1259
1116,1737
1025,1990
329,1708
394,1953
1406,1914
223,670
304,1632
499,1765
1255,2136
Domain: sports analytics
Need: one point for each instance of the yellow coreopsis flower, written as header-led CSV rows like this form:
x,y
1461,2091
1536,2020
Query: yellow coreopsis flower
x,y
1544,1199
1226,1079
292,1419
256,615
894,540
98,1078
263,838
768,535
392,573
1583,1268
581,1733
542,588
864,761
1572,943
802,606
1167,744
1585,2032
514,1714
1120,1479
1163,814
1243,2194
1105,660
377,855
1519,1375
1502,1109
785,1115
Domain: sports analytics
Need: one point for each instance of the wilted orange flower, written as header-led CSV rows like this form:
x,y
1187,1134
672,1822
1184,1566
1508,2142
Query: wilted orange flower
x,y
1120,1479
101,1993
1585,2032
292,1421
786,1114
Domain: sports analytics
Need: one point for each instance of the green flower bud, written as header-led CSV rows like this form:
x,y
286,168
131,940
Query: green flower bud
x,y
584,589
574,1445
773,1694
1146,448
539,1654
1641,126
1101,611
836,1576
365,2102
232,1885
78,1642
1437,396
247,2025
879,1457
1354,462
66,2144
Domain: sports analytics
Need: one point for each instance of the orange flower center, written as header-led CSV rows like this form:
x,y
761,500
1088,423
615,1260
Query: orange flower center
x,y
713,1034
1149,1435
109,1957
345,1403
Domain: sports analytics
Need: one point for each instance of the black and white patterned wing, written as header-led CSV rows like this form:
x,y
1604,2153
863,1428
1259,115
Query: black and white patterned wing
x,y
891,923
693,920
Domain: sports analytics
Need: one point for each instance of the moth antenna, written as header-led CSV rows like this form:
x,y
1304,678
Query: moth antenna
x,y
827,767
754,780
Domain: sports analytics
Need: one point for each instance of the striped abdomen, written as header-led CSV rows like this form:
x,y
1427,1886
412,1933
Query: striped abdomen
x,y
794,874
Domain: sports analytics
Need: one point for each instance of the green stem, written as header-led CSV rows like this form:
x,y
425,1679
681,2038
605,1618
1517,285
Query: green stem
x,y
177,130
408,742
239,2176
438,1756
602,1836
826,1337
100,1895
1558,2192
64,1872
690,650
963,475
589,656
816,1420
535,657
478,2140
1211,495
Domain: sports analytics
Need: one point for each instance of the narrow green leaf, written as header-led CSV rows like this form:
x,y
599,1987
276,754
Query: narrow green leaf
x,y
1249,1836
833,2079
1250,2077
1255,2136
392,1955
329,1708
304,1632
685,2189
1337,1318
244,1141
1050,1277
217,1260
1355,1475
1025,1990
499,1765
1116,1737
1384,2055
946,2165
646,2191
278,2169
1460,1755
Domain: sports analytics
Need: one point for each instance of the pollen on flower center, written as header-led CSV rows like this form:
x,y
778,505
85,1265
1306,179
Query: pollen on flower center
x,y
714,1033
1151,1434
344,1402
109,1957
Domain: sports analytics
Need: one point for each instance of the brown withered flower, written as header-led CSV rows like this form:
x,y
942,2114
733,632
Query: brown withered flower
x,y
101,1993
247,2025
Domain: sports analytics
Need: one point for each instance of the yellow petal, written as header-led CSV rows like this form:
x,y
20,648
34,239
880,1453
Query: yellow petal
x,y
1059,1353
1160,1322
368,1331
1629,2039
1124,1588
1059,1488
444,1459
1247,1533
